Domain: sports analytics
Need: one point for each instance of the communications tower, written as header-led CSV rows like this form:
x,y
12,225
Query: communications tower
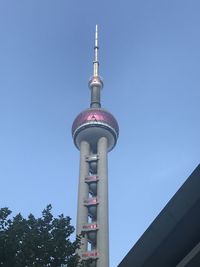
x,y
95,132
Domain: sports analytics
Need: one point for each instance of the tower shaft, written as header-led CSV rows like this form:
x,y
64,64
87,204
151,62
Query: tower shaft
x,y
93,203
95,97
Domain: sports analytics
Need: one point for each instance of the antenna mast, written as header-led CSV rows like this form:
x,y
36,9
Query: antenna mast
x,y
95,83
96,50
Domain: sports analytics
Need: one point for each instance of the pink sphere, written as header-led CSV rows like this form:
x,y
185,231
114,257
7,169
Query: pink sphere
x,y
94,123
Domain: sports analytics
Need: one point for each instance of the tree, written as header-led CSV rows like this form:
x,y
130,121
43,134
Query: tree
x,y
36,242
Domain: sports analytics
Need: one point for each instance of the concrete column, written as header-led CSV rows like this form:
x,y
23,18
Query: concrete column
x,y
83,193
102,208
95,97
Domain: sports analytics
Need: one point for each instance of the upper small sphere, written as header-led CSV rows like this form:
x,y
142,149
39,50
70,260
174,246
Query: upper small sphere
x,y
94,123
95,81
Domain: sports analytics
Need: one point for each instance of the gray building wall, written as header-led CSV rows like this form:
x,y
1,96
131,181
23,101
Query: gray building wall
x,y
173,239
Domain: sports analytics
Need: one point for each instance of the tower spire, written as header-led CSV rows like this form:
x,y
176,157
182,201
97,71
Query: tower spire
x,y
95,83
96,50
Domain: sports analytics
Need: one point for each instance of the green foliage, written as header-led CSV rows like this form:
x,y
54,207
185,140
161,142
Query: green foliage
x,y
36,242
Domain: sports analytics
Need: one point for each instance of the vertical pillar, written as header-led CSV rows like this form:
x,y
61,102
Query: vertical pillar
x,y
102,209
83,191
95,97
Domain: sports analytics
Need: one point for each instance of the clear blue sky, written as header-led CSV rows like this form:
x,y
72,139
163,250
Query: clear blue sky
x,y
150,62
